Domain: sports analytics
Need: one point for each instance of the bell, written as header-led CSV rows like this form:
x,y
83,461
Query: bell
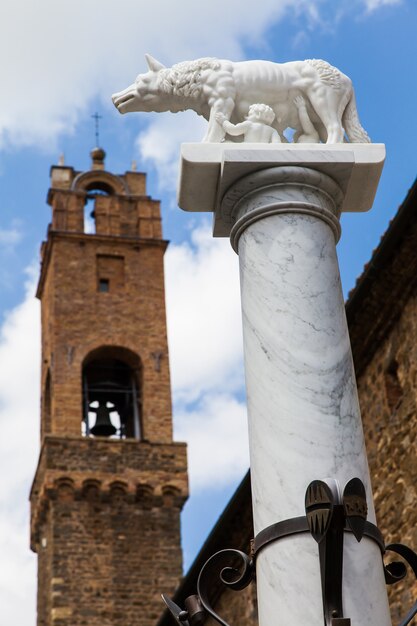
x,y
103,426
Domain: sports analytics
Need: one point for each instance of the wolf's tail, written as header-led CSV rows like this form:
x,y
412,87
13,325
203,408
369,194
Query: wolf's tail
x,y
350,120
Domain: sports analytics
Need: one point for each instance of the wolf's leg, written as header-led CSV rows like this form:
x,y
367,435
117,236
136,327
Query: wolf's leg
x,y
321,129
309,133
326,104
215,132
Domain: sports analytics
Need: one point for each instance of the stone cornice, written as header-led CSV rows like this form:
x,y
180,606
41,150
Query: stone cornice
x,y
106,470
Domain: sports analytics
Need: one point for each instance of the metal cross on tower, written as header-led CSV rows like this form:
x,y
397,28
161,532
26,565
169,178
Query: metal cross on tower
x,y
96,118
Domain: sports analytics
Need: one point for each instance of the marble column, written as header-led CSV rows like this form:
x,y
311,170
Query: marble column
x,y
282,215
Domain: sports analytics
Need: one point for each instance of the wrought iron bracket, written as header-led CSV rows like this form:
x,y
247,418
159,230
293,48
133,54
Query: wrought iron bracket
x,y
396,571
235,570
298,525
328,516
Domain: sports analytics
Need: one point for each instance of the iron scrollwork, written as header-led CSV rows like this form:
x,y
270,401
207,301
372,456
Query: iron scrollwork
x,y
233,568
328,517
396,571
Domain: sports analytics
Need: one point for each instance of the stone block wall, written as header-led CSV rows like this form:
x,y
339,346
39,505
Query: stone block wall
x,y
106,528
388,397
105,513
107,556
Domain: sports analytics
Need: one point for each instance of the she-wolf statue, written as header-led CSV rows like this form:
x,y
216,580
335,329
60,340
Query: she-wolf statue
x,y
223,90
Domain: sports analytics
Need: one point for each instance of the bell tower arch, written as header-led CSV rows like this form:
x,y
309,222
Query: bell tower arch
x,y
112,394
106,533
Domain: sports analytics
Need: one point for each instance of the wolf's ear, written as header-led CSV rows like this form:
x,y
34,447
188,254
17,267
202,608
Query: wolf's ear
x,y
153,64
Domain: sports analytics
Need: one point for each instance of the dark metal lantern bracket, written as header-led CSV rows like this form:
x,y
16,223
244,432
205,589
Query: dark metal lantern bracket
x,y
328,517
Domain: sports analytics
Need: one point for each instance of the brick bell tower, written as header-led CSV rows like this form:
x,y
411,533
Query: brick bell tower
x,y
110,482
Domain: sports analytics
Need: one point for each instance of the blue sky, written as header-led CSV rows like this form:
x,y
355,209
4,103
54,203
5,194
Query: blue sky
x,y
57,70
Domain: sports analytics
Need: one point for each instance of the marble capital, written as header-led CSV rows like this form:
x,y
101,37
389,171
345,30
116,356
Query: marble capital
x,y
281,190
209,171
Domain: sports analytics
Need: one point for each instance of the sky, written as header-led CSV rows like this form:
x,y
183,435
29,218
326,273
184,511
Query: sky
x,y
60,63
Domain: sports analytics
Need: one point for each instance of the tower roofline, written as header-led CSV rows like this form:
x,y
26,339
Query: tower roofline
x,y
131,182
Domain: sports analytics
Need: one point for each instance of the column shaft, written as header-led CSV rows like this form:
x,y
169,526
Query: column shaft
x,y
304,417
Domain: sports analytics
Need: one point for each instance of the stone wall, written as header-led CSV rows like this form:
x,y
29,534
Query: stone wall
x,y
106,558
238,608
106,528
388,397
105,513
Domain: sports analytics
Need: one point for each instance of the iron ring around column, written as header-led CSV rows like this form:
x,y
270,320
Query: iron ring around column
x,y
297,525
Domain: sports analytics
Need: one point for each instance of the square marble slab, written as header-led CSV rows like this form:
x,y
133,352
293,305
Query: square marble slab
x,y
207,170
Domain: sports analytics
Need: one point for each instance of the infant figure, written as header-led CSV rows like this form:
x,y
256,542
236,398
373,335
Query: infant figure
x,y
256,128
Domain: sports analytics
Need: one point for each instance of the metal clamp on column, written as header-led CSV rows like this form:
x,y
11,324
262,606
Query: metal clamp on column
x,y
328,516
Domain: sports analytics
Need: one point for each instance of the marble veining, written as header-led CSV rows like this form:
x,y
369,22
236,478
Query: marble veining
x,y
304,417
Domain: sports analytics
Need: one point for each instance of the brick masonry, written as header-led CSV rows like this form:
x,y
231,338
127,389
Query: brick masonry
x,y
105,513
106,529
388,393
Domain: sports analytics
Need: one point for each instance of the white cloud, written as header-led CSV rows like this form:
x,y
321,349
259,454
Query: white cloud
x,y
160,142
19,422
205,339
217,436
373,5
9,237
204,320
57,56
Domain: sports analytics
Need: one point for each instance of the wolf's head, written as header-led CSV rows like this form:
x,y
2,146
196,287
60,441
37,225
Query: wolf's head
x,y
145,94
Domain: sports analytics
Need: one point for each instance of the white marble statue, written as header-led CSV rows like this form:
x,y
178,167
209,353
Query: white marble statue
x,y
256,128
326,112
308,133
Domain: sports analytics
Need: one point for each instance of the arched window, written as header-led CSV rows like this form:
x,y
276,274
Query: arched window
x,y
93,190
111,399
